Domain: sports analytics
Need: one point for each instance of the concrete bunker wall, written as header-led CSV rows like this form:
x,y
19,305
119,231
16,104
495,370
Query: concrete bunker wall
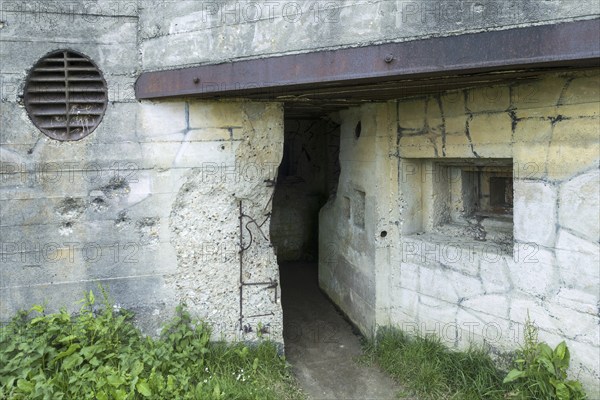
x,y
356,224
74,214
163,231
226,268
148,204
430,274
180,33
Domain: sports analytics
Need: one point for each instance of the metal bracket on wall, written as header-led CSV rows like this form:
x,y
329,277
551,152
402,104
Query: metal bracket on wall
x,y
271,284
568,44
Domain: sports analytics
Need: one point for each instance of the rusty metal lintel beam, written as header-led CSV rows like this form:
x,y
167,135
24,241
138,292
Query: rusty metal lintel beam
x,y
572,44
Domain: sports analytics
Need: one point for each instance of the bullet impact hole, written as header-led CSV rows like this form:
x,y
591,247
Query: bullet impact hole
x,y
383,234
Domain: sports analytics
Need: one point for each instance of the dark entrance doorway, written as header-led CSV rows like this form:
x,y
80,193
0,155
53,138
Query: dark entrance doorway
x,y
319,343
307,177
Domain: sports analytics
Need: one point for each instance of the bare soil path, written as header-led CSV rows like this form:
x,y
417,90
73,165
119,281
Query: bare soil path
x,y
322,346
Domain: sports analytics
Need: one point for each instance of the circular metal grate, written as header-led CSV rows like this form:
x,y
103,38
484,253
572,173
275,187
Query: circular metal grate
x,y
65,95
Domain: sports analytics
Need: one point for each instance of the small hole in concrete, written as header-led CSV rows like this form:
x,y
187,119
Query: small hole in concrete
x,y
122,218
222,147
383,234
357,130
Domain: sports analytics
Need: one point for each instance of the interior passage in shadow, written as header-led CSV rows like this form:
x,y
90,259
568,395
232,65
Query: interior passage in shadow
x,y
321,345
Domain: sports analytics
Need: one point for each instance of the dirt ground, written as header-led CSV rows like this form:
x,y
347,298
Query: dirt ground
x,y
322,346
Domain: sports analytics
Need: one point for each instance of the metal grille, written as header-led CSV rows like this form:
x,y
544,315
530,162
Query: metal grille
x,y
66,95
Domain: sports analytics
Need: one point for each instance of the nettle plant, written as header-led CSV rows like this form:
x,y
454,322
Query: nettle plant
x,y
99,354
541,372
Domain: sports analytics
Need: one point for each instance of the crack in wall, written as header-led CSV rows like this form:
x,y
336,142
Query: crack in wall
x,y
443,127
468,135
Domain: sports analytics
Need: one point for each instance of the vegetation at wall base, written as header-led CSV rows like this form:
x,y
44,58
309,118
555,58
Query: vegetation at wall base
x,y
99,354
426,368
540,372
429,370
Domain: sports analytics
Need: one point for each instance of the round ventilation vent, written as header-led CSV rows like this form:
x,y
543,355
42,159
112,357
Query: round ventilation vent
x,y
65,95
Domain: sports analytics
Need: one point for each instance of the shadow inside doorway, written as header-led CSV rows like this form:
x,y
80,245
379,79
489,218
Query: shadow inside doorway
x,y
321,345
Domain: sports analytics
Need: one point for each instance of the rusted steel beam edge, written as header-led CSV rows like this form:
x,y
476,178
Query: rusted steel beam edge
x,y
559,45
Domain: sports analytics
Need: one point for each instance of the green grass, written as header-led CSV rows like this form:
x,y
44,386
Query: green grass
x,y
428,369
99,354
425,367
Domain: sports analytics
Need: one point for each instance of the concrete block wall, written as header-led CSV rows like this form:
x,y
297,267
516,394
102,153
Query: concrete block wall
x,y
148,204
224,160
468,290
357,226
75,214
430,275
191,32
